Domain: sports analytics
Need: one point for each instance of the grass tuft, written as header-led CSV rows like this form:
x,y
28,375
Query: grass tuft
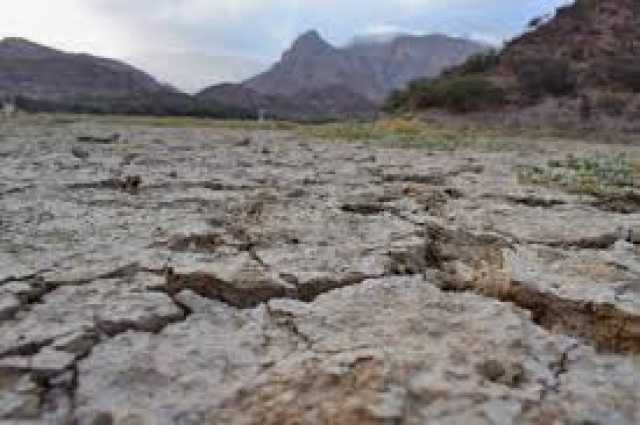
x,y
598,175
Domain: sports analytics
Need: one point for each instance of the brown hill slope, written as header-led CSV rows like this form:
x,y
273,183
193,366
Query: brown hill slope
x,y
599,39
40,78
582,32
37,71
588,55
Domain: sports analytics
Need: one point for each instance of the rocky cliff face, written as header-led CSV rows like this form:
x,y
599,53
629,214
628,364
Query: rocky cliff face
x,y
317,80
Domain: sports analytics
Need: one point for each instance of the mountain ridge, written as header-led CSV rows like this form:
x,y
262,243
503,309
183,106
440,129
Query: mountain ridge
x,y
39,78
311,62
313,80
350,81
42,78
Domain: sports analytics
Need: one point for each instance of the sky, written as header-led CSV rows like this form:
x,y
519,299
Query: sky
x,y
194,43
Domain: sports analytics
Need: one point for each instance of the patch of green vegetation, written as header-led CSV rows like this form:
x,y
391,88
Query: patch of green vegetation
x,y
598,175
408,134
480,63
463,93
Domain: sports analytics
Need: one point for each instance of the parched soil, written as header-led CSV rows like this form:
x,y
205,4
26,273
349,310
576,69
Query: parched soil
x,y
218,275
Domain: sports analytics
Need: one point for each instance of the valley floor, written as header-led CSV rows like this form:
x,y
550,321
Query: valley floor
x,y
171,271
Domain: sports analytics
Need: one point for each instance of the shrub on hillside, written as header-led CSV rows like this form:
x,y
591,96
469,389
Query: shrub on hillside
x,y
479,63
402,99
542,76
625,71
457,94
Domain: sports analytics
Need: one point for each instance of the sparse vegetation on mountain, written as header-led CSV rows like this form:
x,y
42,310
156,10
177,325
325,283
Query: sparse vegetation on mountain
x,y
541,76
587,55
479,63
457,94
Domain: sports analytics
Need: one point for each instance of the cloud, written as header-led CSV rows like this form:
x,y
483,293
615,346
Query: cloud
x,y
258,30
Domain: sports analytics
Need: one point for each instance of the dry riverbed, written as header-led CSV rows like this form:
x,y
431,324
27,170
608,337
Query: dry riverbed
x,y
187,272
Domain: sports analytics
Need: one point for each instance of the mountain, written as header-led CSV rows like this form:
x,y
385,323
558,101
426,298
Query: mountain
x,y
317,80
44,79
405,58
371,69
33,70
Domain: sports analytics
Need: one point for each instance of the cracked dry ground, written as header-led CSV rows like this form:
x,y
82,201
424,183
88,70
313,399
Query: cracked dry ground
x,y
278,281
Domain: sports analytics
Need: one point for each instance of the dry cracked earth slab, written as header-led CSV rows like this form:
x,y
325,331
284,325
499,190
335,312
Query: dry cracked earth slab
x,y
193,276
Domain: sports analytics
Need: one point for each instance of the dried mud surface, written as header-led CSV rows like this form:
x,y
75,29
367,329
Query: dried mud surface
x,y
218,276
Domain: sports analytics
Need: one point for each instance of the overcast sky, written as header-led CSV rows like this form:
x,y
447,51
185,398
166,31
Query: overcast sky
x,y
239,37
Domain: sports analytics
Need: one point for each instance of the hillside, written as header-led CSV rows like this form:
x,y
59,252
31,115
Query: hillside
x,y
40,78
37,71
587,54
597,40
321,81
586,33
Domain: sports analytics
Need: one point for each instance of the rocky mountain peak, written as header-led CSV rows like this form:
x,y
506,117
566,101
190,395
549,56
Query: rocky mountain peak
x,y
369,69
310,43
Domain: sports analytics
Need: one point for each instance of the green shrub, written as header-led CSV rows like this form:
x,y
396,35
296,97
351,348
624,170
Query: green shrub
x,y
479,63
403,99
546,76
457,94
